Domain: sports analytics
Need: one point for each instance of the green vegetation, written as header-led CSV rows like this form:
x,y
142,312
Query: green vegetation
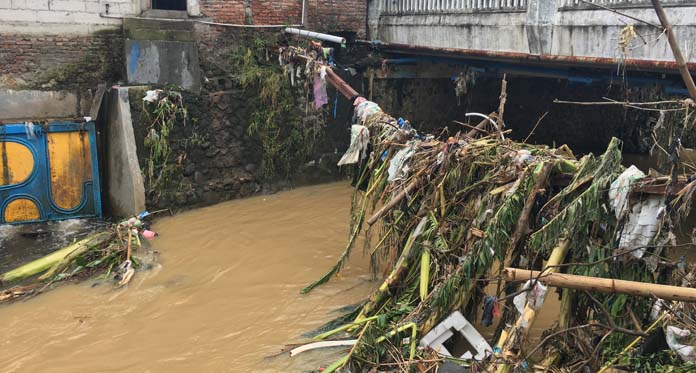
x,y
277,125
162,115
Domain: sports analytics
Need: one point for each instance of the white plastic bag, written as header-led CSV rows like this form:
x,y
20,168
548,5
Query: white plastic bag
x,y
618,192
685,352
534,297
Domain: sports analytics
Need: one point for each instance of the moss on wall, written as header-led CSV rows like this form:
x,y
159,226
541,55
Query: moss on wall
x,y
101,62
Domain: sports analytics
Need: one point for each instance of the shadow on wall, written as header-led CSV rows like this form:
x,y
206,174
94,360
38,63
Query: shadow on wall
x,y
431,104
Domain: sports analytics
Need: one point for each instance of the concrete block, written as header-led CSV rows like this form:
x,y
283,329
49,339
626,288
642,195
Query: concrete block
x,y
51,16
124,180
29,104
162,62
126,8
5,4
84,18
37,4
70,5
19,4
92,7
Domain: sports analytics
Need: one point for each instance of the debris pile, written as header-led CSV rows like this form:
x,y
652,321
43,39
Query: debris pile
x,y
455,223
109,254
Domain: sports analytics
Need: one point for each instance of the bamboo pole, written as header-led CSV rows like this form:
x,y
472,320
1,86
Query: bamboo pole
x,y
526,319
542,174
604,285
554,356
397,198
396,274
424,273
674,44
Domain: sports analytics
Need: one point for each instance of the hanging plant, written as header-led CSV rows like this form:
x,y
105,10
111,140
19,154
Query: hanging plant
x,y
163,108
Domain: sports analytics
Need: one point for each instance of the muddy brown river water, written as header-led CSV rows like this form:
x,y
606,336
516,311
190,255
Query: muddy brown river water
x,y
226,295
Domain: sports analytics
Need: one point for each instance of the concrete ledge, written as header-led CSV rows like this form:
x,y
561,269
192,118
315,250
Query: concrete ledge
x,y
124,180
33,104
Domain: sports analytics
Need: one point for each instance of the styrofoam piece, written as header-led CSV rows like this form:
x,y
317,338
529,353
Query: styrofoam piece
x,y
456,322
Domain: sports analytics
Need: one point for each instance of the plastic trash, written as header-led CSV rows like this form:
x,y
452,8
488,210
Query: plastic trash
x,y
359,139
148,234
642,225
398,167
643,216
534,297
445,330
321,97
685,352
153,95
523,157
618,192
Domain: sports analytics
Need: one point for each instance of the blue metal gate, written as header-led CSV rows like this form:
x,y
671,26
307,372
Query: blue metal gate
x,y
48,172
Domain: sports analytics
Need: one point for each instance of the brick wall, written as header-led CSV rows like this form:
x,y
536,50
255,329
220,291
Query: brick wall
x,y
59,61
322,15
338,15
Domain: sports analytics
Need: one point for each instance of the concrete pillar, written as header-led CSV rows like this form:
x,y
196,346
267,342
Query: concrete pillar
x,y
374,10
124,180
541,18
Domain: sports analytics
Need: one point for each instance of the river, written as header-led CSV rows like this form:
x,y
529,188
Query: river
x,y
225,296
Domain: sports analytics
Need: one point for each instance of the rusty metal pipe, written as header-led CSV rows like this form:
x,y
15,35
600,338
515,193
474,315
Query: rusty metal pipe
x,y
344,88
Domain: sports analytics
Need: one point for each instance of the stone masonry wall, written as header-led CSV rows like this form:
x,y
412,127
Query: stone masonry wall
x,y
225,161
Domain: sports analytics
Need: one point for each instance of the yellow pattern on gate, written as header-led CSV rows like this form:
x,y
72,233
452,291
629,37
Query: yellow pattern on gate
x,y
16,163
21,210
70,166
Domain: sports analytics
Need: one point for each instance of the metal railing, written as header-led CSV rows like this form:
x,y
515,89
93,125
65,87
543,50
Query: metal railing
x,y
620,3
452,6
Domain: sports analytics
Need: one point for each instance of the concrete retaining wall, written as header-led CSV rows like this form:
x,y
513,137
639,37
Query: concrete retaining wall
x,y
124,180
